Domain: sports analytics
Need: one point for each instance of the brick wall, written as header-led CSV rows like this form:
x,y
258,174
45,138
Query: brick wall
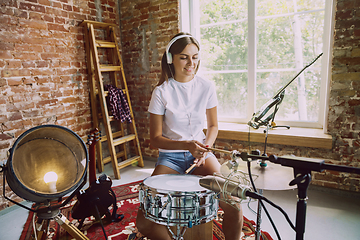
x,y
146,28
43,75
344,104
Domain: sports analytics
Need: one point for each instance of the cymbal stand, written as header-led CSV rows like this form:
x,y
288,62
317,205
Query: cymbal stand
x,y
258,218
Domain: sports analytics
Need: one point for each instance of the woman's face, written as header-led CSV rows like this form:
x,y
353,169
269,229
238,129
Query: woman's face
x,y
185,63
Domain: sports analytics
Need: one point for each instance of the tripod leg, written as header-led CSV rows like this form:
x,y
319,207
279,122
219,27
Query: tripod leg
x,y
81,223
70,228
41,228
101,223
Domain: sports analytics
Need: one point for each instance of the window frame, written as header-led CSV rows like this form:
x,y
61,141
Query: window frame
x,y
190,23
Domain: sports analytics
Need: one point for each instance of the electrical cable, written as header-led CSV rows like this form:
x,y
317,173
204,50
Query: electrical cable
x,y
34,226
281,210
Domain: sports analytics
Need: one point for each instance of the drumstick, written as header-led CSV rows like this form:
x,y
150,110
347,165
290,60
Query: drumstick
x,y
190,168
212,149
219,150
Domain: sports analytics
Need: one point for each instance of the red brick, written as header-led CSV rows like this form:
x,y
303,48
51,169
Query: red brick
x,y
25,56
91,5
45,2
14,64
42,71
28,64
59,20
6,46
28,48
344,14
25,23
35,16
49,56
67,8
77,16
15,72
28,81
56,5
48,18
76,9
41,64
56,12
4,136
31,113
5,55
14,81
33,40
15,116
32,7
57,27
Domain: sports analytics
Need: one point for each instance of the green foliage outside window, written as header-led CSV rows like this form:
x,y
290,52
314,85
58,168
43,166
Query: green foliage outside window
x,y
285,43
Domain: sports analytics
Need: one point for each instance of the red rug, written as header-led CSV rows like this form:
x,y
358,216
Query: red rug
x,y
128,203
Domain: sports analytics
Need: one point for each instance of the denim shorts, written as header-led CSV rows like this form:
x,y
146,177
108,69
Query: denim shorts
x,y
178,161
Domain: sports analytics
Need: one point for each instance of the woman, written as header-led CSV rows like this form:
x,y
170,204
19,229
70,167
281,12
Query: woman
x,y
178,107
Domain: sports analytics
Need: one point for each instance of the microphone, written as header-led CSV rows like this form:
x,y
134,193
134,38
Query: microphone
x,y
219,184
232,166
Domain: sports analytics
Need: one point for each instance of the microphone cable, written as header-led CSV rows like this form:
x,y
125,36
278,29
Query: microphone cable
x,y
272,204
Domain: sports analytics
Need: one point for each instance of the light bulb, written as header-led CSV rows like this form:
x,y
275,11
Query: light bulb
x,y
50,178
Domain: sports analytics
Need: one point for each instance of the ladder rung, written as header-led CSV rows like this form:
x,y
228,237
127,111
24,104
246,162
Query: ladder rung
x,y
114,134
111,118
129,161
98,25
106,93
105,68
124,139
104,44
118,154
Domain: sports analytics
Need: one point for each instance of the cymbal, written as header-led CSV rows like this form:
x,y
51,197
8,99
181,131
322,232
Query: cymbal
x,y
271,177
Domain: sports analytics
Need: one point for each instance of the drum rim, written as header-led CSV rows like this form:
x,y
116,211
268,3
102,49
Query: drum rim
x,y
161,190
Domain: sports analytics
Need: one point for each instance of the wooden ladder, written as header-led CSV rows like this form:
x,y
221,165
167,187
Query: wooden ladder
x,y
105,66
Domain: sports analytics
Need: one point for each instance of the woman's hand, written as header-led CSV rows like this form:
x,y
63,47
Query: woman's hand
x,y
199,151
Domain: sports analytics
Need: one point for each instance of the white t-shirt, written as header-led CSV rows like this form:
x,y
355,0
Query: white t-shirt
x,y
184,108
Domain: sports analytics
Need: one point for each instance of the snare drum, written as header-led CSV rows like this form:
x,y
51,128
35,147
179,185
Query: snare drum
x,y
177,200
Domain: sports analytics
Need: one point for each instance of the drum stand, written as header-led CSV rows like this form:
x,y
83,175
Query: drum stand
x,y
179,232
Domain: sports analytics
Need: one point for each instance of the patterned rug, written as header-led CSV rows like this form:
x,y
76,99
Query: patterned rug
x,y
128,203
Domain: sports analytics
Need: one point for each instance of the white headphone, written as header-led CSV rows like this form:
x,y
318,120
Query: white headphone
x,y
168,54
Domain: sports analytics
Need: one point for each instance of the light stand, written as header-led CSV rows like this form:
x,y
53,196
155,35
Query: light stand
x,y
45,164
302,172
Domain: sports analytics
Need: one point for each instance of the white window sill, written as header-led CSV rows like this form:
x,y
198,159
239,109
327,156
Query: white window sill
x,y
302,137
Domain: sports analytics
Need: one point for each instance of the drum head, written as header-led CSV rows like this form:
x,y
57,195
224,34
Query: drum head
x,y
174,182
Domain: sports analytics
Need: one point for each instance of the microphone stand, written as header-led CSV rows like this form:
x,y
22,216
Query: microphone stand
x,y
302,173
256,121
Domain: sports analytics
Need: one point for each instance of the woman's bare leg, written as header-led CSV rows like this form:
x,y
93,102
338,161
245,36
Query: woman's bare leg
x,y
233,218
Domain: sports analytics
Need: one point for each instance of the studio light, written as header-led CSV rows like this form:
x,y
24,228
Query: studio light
x,y
45,164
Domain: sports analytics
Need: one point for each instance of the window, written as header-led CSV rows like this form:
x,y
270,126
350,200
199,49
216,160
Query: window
x,y
253,48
